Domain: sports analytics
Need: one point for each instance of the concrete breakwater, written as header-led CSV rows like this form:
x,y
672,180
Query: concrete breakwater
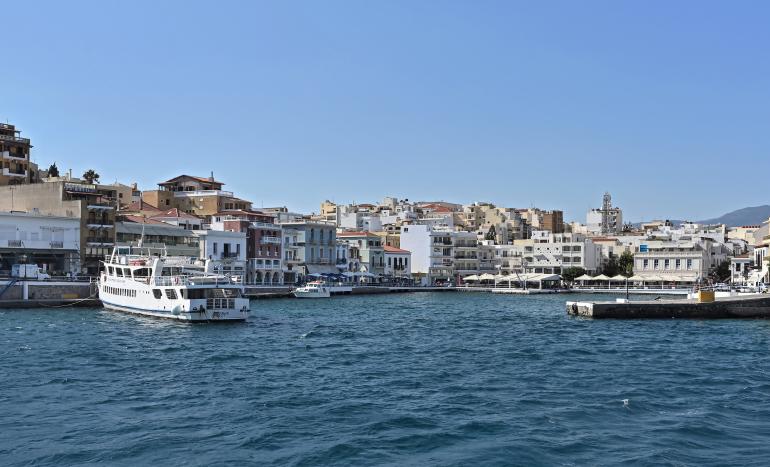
x,y
33,294
749,306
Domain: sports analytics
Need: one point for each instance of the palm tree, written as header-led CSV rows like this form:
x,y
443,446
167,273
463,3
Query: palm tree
x,y
91,176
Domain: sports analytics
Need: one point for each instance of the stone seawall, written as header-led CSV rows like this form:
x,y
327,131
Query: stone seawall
x,y
755,306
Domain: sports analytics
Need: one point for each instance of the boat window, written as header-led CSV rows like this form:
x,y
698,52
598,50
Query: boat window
x,y
142,272
157,293
195,294
110,271
127,272
119,272
171,294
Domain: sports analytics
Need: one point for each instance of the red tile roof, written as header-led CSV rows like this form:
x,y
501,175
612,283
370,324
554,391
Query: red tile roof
x,y
141,220
175,213
137,206
392,249
200,179
356,234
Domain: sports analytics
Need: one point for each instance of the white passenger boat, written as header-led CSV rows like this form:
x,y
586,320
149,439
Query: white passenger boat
x,y
316,289
169,287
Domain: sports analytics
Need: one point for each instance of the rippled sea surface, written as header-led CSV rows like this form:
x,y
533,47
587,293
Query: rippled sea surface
x,y
414,379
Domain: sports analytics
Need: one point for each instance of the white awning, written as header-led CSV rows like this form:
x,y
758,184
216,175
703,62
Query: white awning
x,y
619,277
486,277
601,277
471,278
584,277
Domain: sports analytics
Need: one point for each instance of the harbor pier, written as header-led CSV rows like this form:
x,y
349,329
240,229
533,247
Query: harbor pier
x,y
747,306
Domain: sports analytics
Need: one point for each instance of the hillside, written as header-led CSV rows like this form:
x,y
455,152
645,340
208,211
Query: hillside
x,y
745,216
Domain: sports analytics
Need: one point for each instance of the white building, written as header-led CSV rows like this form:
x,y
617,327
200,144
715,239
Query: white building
x,y
225,249
432,252
397,262
549,253
607,220
51,242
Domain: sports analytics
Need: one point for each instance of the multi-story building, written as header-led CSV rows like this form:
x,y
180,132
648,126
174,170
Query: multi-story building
x,y
51,242
200,196
465,248
397,262
549,253
740,268
607,220
15,165
371,256
94,208
264,244
309,248
226,250
673,261
432,252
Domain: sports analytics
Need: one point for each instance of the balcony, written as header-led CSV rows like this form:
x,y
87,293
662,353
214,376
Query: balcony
x,y
99,241
13,156
14,173
100,206
273,240
263,225
14,139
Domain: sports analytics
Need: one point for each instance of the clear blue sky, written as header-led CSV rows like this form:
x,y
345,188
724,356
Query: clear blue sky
x,y
664,104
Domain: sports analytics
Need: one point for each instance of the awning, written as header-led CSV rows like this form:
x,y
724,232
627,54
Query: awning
x,y
322,269
601,277
619,278
471,278
550,277
584,277
635,278
486,277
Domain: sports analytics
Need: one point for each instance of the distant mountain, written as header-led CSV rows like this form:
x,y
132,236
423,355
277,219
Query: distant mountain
x,y
755,215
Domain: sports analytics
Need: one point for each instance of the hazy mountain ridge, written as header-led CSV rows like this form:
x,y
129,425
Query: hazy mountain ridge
x,y
753,215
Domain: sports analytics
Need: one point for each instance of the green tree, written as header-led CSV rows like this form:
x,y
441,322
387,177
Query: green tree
x,y
722,272
491,234
626,263
572,273
91,176
611,267
53,171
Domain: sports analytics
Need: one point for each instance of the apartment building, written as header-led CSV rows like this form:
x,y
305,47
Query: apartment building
x,y
371,254
15,165
549,253
51,242
264,243
199,196
309,248
432,252
94,207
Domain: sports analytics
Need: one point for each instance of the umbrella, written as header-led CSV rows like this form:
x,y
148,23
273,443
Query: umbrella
x,y
471,278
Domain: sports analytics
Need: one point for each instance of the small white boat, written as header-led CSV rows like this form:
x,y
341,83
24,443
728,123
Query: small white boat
x,y
316,289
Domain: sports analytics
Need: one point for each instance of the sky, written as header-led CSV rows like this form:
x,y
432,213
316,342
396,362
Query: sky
x,y
666,105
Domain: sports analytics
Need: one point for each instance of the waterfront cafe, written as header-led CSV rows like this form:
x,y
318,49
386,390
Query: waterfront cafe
x,y
531,280
651,280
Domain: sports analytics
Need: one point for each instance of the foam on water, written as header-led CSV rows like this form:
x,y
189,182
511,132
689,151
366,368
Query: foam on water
x,y
449,379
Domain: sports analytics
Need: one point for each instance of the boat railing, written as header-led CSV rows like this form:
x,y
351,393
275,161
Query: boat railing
x,y
170,281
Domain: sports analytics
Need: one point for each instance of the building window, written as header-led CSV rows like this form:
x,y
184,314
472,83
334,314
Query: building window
x,y
666,264
655,264
215,248
689,264
678,264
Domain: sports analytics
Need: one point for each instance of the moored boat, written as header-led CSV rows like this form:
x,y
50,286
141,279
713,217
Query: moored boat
x,y
169,287
316,289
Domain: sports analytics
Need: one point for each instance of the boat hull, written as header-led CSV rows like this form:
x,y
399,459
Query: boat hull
x,y
195,316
